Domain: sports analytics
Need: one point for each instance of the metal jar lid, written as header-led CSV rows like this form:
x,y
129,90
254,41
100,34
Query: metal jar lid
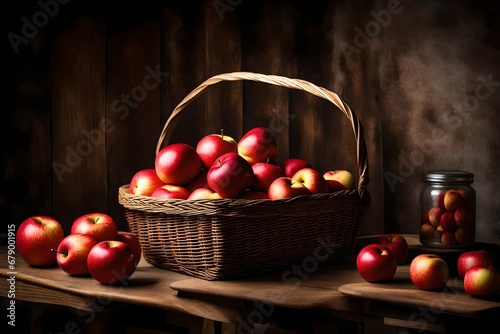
x,y
448,176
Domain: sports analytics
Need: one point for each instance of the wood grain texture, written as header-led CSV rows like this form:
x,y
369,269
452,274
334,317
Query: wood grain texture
x,y
78,110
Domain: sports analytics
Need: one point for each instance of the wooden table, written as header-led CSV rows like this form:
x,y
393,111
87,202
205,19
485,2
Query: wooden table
x,y
305,299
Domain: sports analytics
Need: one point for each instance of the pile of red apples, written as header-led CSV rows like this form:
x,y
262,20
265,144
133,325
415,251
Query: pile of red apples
x,y
378,261
219,167
450,221
94,248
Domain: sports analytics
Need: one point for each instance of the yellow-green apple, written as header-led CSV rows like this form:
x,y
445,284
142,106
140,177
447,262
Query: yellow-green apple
x,y
447,221
177,163
339,179
35,238
97,224
427,231
253,194
72,253
199,181
131,239
258,145
464,235
265,173
230,175
286,187
204,193
396,243
453,200
376,262
144,182
429,271
291,165
212,146
171,191
482,281
435,215
463,217
111,262
469,259
312,180
448,238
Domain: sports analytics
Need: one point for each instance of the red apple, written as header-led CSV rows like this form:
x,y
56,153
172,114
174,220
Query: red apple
x,y
447,221
376,263
339,179
204,193
265,173
482,281
258,145
131,239
212,146
111,262
312,180
230,175
291,165
144,182
453,200
463,217
473,258
72,253
171,191
396,243
199,181
177,164
427,231
98,225
440,200
35,238
435,215
286,187
429,272
448,238
253,194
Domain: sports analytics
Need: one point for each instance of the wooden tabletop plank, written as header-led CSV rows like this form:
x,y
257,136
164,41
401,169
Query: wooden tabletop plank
x,y
148,286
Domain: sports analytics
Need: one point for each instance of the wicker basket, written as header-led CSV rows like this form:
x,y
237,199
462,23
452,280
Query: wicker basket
x,y
230,238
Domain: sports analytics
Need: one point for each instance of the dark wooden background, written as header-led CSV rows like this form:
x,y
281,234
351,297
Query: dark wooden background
x,y
423,77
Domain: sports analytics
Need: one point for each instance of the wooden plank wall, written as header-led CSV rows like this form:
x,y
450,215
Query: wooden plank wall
x,y
110,75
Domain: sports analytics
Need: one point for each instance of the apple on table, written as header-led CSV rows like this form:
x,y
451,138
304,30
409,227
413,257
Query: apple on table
x,y
376,263
429,271
35,238
212,146
72,253
131,239
111,262
482,281
472,258
99,225
396,243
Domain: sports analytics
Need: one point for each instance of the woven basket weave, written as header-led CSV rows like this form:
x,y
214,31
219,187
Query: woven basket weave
x,y
231,238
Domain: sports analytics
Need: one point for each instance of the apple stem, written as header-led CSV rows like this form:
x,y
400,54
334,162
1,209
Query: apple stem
x,y
222,133
55,250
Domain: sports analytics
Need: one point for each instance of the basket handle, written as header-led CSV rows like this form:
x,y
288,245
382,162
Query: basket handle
x,y
284,82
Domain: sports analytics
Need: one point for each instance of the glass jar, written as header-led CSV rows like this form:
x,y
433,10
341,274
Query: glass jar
x,y
448,208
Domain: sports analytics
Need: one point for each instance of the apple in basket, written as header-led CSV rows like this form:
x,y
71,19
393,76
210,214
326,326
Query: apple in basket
x,y
291,165
171,191
178,164
258,145
312,180
144,182
212,146
265,173
230,175
339,179
286,187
